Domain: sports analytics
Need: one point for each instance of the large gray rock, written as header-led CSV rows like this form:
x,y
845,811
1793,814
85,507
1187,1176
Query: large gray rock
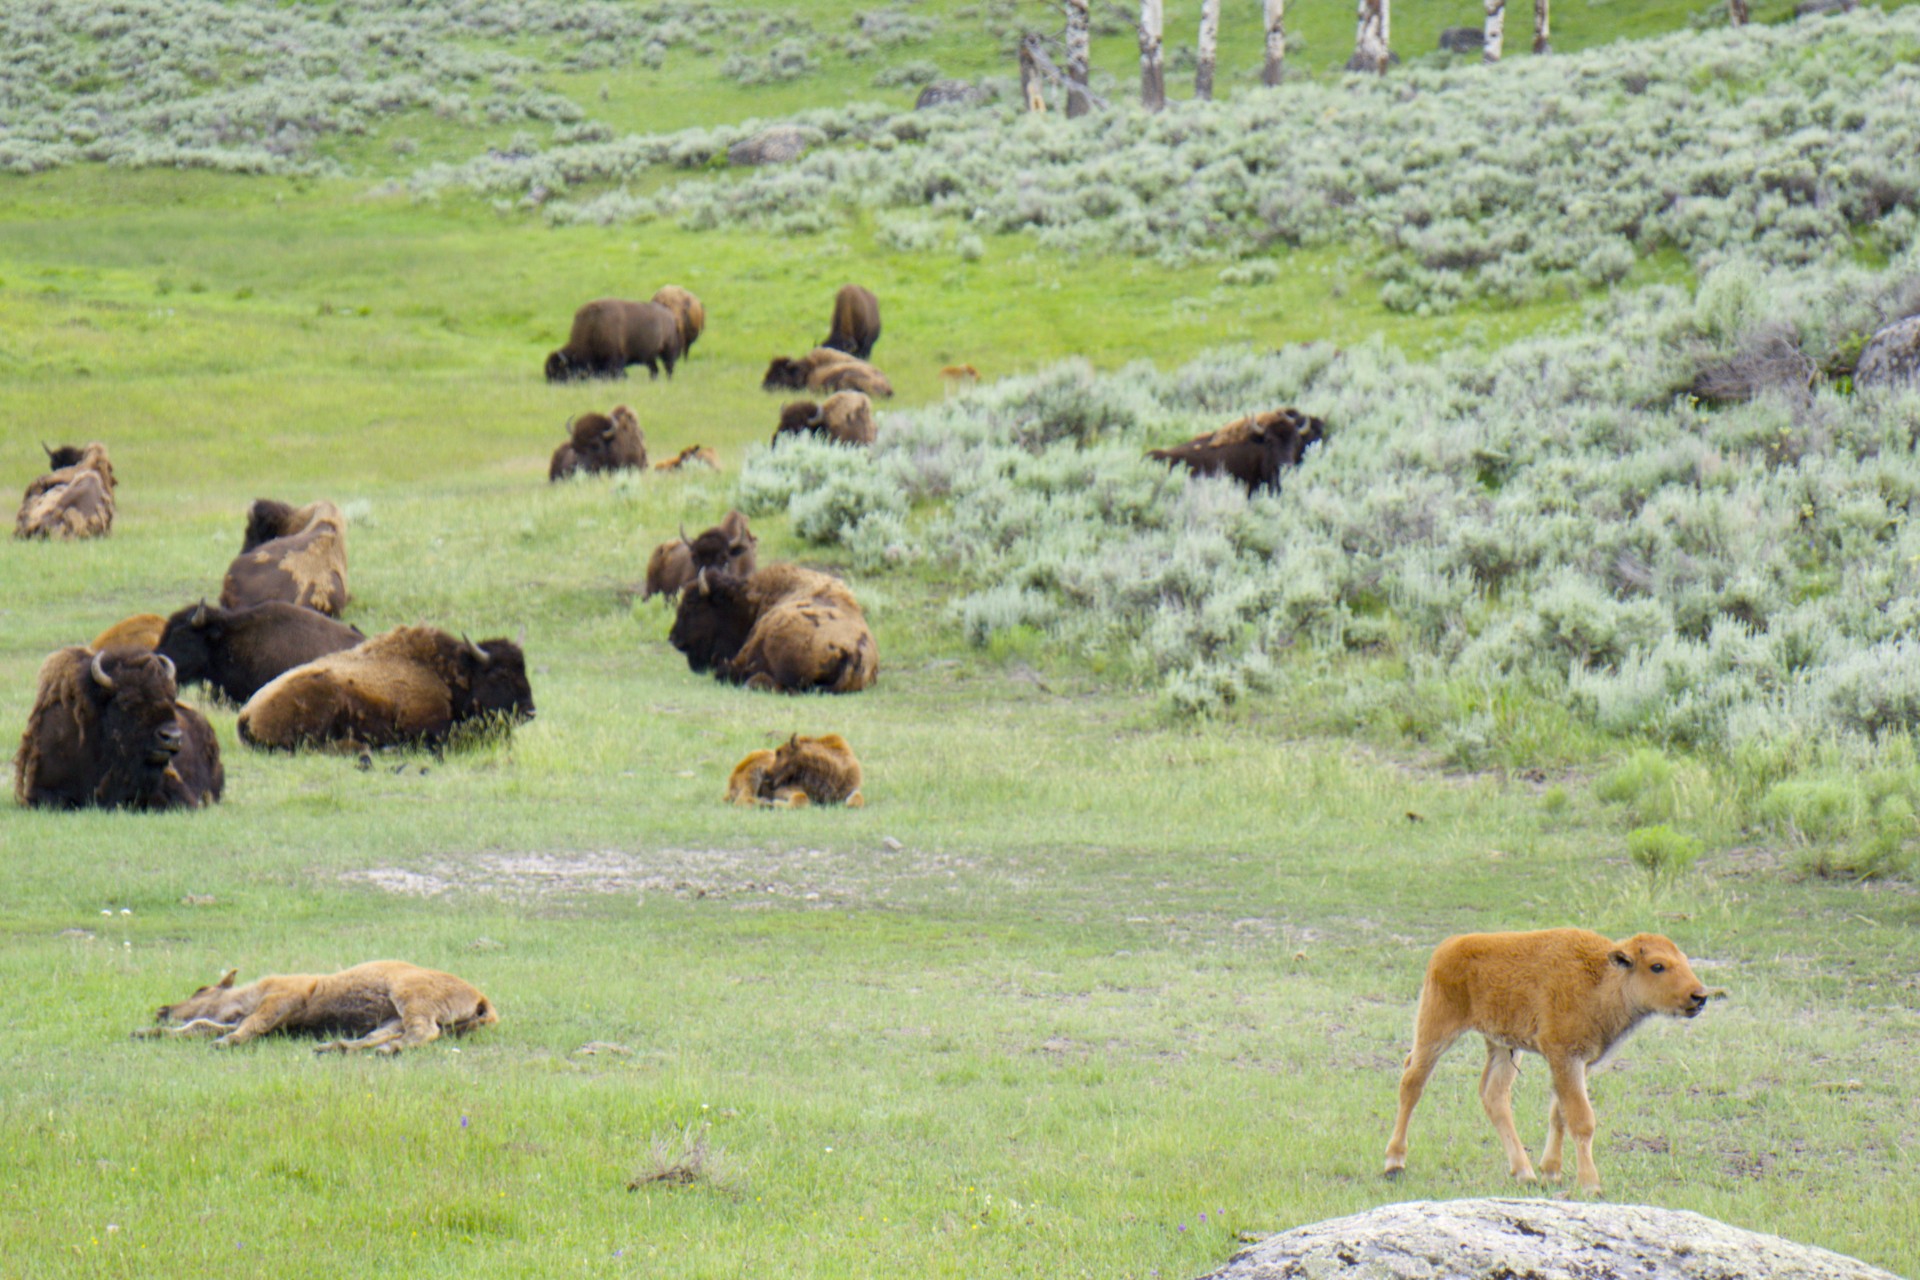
x,y
1891,358
949,93
1537,1239
1463,39
782,144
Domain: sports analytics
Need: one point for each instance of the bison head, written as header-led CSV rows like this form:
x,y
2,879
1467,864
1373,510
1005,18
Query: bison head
x,y
1657,976
713,621
785,374
267,519
189,639
729,547
66,455
560,367
495,684
139,731
217,1003
797,416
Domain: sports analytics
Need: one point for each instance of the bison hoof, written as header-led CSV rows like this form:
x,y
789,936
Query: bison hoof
x,y
1393,1172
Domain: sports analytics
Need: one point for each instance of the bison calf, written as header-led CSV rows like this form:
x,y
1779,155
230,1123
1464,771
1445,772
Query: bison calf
x,y
237,651
1253,450
856,322
728,547
845,417
612,333
1569,995
294,554
825,370
385,1005
598,442
803,771
694,455
73,500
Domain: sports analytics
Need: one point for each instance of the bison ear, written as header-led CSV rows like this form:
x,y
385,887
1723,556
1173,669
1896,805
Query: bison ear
x,y
1621,958
100,676
226,979
199,618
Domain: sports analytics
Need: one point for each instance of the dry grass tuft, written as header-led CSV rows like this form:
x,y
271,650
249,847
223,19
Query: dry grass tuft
x,y
684,1158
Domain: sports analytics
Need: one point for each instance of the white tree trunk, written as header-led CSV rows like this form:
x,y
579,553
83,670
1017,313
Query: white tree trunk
x,y
1276,42
1208,50
1496,30
1153,71
1370,40
1079,24
1737,12
1540,42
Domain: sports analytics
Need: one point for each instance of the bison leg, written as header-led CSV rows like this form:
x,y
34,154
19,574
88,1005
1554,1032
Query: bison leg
x,y
266,1016
416,1028
198,1027
1496,1095
1556,1136
1570,1091
389,1030
1427,1049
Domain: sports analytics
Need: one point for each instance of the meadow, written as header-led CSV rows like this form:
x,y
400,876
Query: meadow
x,y
1106,976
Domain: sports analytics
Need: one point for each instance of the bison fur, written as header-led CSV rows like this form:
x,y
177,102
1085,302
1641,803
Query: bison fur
x,y
239,650
825,370
74,500
598,442
1252,450
141,631
804,771
687,310
783,628
612,333
856,322
294,554
845,417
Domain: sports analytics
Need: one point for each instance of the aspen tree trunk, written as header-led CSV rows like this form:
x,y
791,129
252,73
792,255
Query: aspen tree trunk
x,y
1370,40
1276,42
1737,12
1030,78
1540,42
1079,24
1209,49
1496,30
1153,72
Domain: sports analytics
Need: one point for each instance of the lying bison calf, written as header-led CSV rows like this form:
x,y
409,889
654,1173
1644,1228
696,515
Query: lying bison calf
x,y
238,651
785,628
1569,995
73,500
1253,450
728,547
598,442
295,554
803,771
385,1005
412,686
824,370
694,455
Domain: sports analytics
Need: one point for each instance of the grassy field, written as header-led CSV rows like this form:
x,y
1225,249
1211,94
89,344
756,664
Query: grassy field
x,y
1080,991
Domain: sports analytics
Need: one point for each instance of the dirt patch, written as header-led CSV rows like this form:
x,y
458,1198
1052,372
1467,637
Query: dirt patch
x,y
808,875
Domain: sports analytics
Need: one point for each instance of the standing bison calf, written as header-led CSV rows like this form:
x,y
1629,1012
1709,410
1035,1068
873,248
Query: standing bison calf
x,y
856,322
613,333
598,442
1253,450
1569,995
295,554
73,500
784,628
237,651
385,1005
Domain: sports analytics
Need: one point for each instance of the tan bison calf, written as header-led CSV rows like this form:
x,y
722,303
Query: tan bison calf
x,y
803,771
694,455
1569,995
74,500
295,554
384,1005
687,310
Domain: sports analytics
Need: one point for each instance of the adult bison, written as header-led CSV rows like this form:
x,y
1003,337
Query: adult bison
x,y
612,333
598,442
73,500
824,370
238,650
845,417
1253,450
783,628
856,322
412,686
728,547
1569,995
107,730
687,310
295,554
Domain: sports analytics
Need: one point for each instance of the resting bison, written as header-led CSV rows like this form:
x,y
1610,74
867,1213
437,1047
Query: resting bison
x,y
107,730
1252,449
804,771
824,370
386,1005
694,455
728,547
783,628
73,500
239,650
599,442
856,322
611,334
295,554
411,686
141,631
845,417
1569,995
687,310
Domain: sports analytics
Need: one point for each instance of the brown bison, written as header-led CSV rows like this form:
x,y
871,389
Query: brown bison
x,y
845,417
687,310
295,554
412,686
141,631
386,1005
238,650
1252,450
73,500
611,334
107,730
728,547
856,322
599,442
824,370
1569,995
803,771
694,455
783,628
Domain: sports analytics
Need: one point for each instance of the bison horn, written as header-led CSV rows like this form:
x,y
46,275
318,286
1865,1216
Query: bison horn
x,y
480,655
199,618
47,450
226,979
683,532
169,661
100,676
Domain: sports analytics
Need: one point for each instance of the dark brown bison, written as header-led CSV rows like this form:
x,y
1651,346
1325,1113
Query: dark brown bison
x,y
73,500
856,322
599,442
238,650
1253,449
803,771
411,686
611,334
694,455
824,370
783,628
295,554
107,730
845,417
728,547
687,310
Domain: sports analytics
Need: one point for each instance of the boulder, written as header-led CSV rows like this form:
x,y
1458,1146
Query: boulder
x,y
1463,40
1539,1239
782,144
1891,357
949,93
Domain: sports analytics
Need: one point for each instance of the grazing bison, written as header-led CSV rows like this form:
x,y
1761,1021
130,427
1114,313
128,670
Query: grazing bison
x,y
239,650
694,455
845,417
73,500
386,1005
1252,449
783,628
295,554
824,370
611,334
803,771
412,686
141,631
107,730
687,310
856,322
728,547
599,442
1569,995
